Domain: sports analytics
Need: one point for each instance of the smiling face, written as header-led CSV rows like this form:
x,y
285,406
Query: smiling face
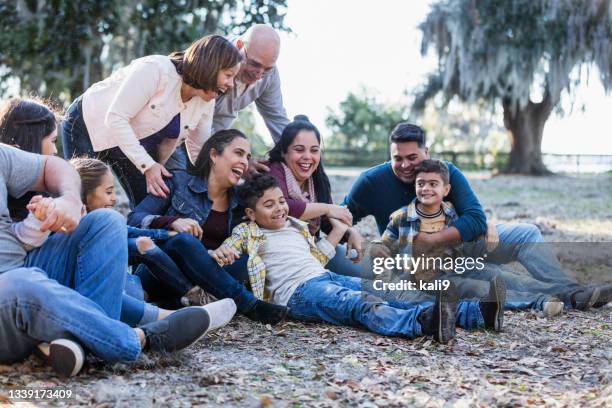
x,y
303,155
47,145
104,195
431,189
225,82
231,164
405,156
271,210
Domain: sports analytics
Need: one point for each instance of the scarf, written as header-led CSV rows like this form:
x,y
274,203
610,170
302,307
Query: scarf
x,y
309,196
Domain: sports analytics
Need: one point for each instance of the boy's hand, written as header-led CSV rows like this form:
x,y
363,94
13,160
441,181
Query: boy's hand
x,y
492,237
337,232
355,241
224,255
340,213
189,226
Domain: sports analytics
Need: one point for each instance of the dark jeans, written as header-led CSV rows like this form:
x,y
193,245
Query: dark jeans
x,y
76,143
193,259
167,278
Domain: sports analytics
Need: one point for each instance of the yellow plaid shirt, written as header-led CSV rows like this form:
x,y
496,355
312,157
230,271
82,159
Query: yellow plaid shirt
x,y
248,238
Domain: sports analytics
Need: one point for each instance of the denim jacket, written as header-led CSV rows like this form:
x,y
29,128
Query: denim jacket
x,y
188,198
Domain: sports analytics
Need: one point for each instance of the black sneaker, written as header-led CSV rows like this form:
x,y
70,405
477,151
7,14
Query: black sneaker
x,y
267,313
179,330
492,305
585,299
439,320
605,296
65,356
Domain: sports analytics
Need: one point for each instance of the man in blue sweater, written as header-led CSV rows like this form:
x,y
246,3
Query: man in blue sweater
x,y
384,188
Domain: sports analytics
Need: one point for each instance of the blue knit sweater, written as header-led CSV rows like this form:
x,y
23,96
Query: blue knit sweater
x,y
379,192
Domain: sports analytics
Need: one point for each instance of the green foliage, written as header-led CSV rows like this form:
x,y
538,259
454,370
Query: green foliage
x,y
245,122
515,49
363,123
58,48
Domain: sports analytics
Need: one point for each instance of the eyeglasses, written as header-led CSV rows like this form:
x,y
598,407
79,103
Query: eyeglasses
x,y
256,64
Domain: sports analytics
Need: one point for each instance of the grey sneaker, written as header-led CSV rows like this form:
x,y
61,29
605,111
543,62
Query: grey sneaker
x,y
65,356
584,299
179,330
605,296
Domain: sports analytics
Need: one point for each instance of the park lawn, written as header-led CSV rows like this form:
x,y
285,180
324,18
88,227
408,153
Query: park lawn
x,y
536,361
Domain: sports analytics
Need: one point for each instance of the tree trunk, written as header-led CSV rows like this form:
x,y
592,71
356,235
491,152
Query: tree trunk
x,y
526,126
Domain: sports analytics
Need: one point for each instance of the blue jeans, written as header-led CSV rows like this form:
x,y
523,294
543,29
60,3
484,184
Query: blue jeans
x,y
76,142
524,243
193,259
341,300
342,265
91,260
35,309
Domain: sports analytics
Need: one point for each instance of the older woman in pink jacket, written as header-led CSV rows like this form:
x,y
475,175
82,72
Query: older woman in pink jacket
x,y
134,119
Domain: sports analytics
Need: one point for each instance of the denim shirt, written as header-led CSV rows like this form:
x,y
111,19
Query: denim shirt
x,y
188,198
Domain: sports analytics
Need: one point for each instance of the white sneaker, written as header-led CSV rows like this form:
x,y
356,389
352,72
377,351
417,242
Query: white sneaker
x,y
553,307
220,312
65,356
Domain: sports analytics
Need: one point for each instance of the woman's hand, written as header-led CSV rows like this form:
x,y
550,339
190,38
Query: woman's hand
x,y
224,255
155,180
355,241
340,213
189,226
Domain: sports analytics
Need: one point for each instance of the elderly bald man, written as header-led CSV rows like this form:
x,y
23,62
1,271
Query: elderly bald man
x,y
257,81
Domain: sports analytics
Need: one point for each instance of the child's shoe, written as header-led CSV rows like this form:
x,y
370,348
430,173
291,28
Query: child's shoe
x,y
492,305
267,313
439,320
180,329
197,297
220,313
552,307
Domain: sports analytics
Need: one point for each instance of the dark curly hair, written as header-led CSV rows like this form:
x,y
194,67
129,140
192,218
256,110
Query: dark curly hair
x,y
254,188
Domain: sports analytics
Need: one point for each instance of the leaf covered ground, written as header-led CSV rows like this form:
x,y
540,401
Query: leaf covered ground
x,y
564,361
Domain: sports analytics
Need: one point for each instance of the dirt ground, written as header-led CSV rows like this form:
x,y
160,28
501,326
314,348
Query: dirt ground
x,y
564,361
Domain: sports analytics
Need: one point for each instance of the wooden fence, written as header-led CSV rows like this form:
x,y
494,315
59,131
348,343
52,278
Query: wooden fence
x,y
472,160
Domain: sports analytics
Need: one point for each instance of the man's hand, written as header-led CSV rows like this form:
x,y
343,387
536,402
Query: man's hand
x,y
355,241
189,226
155,181
492,237
224,255
257,166
379,250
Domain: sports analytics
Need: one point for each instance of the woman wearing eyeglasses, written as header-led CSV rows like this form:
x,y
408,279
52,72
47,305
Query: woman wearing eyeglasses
x,y
134,119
